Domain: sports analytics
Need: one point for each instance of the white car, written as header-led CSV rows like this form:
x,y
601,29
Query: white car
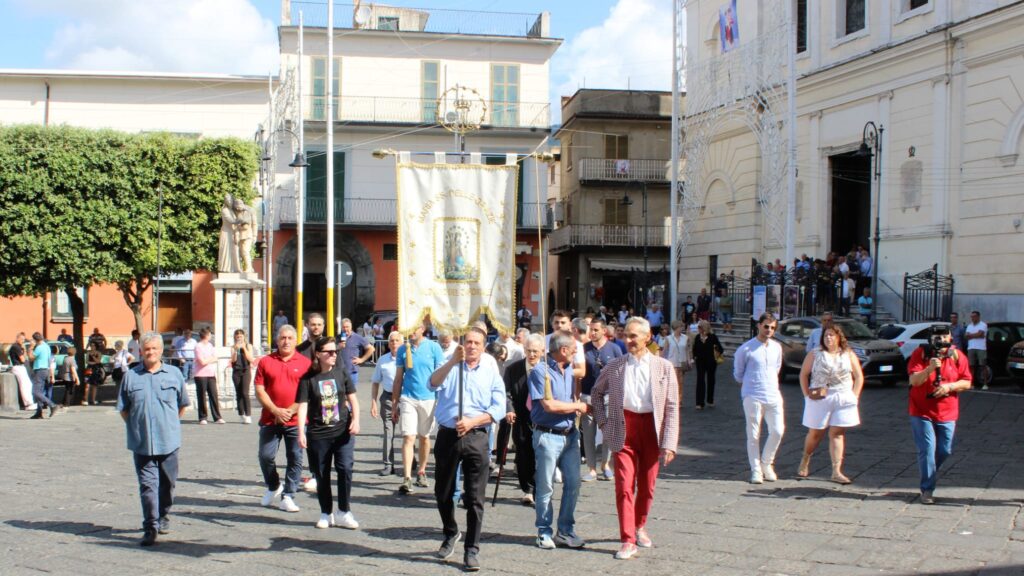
x,y
908,336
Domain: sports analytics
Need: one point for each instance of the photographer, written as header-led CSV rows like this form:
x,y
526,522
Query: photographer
x,y
938,372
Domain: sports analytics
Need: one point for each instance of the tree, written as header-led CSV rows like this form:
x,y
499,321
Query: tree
x,y
181,183
80,207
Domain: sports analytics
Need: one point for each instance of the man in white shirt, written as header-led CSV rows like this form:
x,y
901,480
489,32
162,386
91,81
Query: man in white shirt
x,y
383,380
814,340
447,343
514,350
977,347
756,365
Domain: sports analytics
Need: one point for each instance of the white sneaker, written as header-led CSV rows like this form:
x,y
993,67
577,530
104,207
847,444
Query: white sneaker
x,y
269,495
347,520
545,542
325,521
287,504
310,485
558,476
769,473
247,420
756,477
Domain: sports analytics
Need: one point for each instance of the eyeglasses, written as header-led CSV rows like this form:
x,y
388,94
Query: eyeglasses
x,y
329,352
768,327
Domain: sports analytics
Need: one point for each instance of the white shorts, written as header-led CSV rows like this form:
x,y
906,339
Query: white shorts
x,y
415,417
838,408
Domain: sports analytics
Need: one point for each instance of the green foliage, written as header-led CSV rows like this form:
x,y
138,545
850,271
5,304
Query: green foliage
x,y
80,206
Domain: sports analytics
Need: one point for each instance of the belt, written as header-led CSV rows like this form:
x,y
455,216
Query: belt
x,y
478,429
558,431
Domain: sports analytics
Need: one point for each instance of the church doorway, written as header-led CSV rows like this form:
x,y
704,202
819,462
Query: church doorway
x,y
851,201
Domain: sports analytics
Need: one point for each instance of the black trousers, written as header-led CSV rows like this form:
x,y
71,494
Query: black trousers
x,y
207,387
526,463
471,451
325,455
706,382
241,378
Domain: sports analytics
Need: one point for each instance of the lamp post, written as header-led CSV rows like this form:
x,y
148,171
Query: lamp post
x,y
299,161
871,146
627,201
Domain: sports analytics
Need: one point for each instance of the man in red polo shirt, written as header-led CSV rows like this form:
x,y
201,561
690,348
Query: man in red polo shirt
x,y
938,373
277,381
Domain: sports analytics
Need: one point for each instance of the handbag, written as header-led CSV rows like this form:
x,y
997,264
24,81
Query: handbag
x,y
719,357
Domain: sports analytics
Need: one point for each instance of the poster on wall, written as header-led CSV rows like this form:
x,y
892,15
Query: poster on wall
x,y
728,26
773,299
790,301
759,302
237,313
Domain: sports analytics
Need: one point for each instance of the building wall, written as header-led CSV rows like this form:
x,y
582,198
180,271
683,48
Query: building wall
x,y
953,112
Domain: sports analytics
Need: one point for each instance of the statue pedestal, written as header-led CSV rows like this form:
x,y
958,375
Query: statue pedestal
x,y
238,304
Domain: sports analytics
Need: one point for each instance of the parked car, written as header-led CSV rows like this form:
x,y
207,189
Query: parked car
x,y
1015,363
1001,337
880,359
908,337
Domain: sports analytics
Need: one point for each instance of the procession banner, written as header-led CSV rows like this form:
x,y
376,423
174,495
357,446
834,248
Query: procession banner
x,y
456,244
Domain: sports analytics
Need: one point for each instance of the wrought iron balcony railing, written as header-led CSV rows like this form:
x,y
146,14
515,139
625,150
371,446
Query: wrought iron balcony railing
x,y
394,110
633,169
383,212
580,235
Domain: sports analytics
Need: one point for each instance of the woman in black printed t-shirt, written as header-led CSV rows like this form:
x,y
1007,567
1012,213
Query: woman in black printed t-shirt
x,y
327,397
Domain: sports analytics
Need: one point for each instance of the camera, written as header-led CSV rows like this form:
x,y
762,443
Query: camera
x,y
937,345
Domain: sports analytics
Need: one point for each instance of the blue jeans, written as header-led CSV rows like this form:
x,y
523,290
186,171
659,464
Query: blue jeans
x,y
934,444
553,450
157,476
270,437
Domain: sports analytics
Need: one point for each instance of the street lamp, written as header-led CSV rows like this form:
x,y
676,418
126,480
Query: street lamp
x,y
871,146
299,161
627,201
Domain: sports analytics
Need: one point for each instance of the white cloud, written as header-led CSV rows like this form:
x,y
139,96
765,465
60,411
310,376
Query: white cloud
x,y
225,36
632,47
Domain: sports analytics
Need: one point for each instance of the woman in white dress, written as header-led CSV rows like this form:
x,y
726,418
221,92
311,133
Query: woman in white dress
x,y
677,351
832,380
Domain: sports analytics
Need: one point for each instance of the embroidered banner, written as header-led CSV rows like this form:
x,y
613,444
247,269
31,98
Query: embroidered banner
x,y
456,243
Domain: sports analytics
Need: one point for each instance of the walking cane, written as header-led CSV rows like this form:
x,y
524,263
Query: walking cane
x,y
504,430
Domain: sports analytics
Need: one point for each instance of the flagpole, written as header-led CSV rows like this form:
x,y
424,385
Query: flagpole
x,y
330,169
300,186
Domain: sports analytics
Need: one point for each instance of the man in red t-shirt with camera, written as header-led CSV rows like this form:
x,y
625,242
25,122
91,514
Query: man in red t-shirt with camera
x,y
938,373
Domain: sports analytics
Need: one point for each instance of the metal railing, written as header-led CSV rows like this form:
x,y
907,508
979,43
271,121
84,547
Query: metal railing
x,y
630,170
432,20
389,109
928,295
383,212
572,235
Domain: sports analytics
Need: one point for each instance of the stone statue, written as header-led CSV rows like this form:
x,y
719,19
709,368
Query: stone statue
x,y
227,255
245,234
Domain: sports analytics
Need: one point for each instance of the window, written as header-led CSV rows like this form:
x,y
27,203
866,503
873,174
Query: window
x,y
319,108
505,94
387,23
616,147
615,214
855,16
390,252
567,154
316,187
801,26
429,91
914,4
60,306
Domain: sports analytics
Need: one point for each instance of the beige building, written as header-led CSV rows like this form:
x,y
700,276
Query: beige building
x,y
943,78
615,145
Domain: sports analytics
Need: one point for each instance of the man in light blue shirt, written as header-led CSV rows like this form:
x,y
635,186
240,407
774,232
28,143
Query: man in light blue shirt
x,y
462,438
413,401
756,365
152,401
380,406
39,353
814,340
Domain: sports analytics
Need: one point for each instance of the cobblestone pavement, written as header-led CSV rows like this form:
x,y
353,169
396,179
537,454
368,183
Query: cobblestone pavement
x,y
69,504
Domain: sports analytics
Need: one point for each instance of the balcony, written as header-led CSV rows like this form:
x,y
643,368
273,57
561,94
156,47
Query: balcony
x,y
382,212
631,170
597,235
392,110
391,19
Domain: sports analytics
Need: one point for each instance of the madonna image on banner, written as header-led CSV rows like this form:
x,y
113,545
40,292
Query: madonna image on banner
x,y
728,26
457,249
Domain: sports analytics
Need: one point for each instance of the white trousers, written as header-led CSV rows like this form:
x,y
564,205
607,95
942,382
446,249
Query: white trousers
x,y
24,386
772,414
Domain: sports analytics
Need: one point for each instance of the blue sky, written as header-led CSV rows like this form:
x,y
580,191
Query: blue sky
x,y
608,43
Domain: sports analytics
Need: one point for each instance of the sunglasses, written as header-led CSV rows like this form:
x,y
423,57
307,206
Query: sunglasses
x,y
329,352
